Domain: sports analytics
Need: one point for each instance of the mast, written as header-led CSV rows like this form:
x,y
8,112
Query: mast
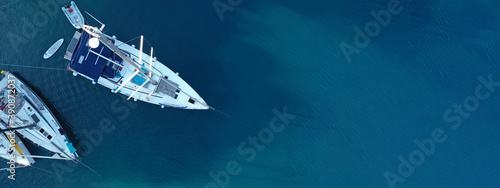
x,y
151,62
15,128
150,67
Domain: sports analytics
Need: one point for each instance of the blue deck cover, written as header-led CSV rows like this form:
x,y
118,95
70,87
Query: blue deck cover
x,y
92,65
71,148
139,79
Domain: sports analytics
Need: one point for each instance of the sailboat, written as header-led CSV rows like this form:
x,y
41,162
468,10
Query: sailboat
x,y
129,71
23,111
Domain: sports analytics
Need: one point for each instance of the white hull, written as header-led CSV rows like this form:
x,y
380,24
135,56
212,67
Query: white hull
x,y
177,93
30,110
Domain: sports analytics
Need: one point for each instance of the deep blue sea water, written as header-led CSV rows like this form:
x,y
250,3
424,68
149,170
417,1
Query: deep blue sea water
x,y
348,122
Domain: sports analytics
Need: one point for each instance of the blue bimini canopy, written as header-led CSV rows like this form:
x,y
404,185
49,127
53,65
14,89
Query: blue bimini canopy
x,y
93,65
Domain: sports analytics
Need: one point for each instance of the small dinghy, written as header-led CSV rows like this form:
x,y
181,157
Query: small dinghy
x,y
53,49
74,15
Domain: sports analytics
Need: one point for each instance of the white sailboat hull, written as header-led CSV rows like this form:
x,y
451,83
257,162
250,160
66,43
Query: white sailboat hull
x,y
170,89
30,110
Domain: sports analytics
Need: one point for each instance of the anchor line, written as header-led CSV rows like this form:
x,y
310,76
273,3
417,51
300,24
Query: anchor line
x,y
90,169
219,111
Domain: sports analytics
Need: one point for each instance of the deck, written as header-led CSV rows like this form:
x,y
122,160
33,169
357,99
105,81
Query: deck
x,y
72,45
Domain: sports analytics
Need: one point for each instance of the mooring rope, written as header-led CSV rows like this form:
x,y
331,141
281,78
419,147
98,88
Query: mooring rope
x,y
42,169
18,166
35,67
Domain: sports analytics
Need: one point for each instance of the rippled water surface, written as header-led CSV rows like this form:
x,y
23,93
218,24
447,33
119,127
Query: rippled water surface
x,y
277,68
